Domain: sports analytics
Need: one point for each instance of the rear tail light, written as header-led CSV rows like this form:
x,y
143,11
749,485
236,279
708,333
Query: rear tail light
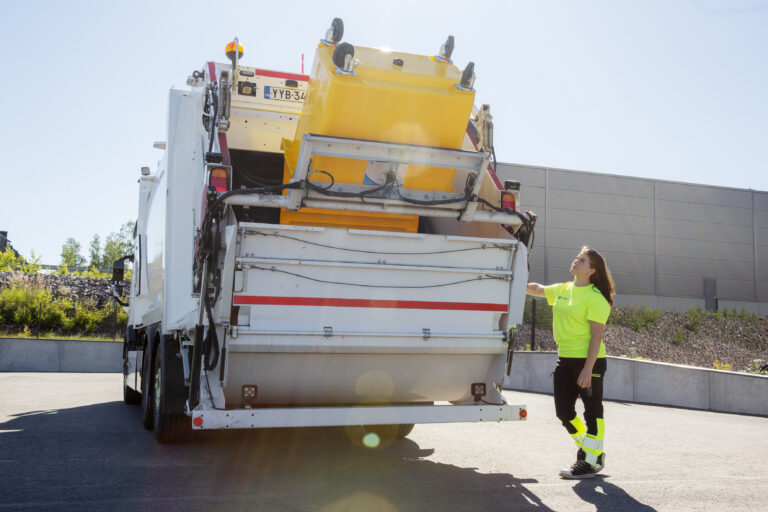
x,y
508,195
219,179
507,201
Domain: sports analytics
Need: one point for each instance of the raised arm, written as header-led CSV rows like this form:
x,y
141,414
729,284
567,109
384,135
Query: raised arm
x,y
535,289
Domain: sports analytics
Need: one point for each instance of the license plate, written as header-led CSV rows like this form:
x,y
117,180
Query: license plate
x,y
281,93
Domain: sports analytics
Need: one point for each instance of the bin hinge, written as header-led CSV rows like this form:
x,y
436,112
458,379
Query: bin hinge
x,y
328,331
426,333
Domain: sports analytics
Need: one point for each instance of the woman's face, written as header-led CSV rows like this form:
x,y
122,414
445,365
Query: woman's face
x,y
580,266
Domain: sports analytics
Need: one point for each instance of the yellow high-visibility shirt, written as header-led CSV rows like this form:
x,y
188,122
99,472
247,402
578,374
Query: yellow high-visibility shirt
x,y
573,307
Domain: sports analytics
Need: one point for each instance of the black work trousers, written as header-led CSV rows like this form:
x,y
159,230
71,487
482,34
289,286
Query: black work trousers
x,y
567,390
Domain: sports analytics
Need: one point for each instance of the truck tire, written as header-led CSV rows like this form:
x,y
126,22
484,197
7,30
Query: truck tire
x,y
130,396
168,427
390,432
146,388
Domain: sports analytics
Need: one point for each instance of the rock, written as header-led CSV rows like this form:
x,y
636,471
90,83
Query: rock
x,y
76,288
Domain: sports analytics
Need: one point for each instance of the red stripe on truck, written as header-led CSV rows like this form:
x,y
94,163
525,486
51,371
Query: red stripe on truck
x,y
246,300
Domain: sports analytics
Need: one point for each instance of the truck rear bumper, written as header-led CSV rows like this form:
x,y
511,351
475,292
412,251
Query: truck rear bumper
x,y
341,416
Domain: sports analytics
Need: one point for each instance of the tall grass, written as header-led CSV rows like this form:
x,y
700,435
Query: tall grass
x,y
28,306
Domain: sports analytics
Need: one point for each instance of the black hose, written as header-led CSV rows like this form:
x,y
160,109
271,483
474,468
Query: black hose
x,y
215,104
211,343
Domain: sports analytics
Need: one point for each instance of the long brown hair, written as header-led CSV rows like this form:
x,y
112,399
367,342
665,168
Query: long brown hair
x,y
601,277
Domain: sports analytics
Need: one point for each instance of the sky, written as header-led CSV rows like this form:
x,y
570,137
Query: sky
x,y
662,89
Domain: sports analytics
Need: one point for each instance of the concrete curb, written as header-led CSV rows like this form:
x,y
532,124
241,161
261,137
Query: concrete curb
x,y
627,380
633,380
24,355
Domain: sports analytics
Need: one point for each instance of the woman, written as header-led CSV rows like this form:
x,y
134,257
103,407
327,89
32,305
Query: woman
x,y
579,312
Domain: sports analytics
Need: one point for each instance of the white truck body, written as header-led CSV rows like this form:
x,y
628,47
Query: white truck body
x,y
327,325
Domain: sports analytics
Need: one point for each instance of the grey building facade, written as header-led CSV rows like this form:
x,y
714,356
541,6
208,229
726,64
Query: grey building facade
x,y
669,245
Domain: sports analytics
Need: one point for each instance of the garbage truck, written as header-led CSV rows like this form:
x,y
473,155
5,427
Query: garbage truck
x,y
331,249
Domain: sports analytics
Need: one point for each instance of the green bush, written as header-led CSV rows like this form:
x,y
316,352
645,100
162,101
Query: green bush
x,y
637,318
694,318
679,337
10,262
543,311
28,306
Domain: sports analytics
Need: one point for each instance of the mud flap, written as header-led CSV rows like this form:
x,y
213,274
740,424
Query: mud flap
x,y
174,394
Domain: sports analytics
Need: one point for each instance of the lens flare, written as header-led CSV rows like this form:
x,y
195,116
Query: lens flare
x,y
371,440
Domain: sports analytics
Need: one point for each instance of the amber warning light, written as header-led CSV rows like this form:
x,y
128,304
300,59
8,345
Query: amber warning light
x,y
219,179
508,195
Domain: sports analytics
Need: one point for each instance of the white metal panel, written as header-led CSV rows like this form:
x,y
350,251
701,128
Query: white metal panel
x,y
185,178
696,230
616,242
732,252
153,248
702,194
365,374
703,267
724,215
304,278
257,130
761,201
736,289
676,286
595,221
628,282
761,218
577,183
600,202
340,416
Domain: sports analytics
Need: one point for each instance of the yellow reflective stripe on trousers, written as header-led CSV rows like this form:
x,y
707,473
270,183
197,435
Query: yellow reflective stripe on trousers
x,y
578,437
593,445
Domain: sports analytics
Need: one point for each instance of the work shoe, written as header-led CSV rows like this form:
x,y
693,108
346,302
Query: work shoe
x,y
600,464
580,469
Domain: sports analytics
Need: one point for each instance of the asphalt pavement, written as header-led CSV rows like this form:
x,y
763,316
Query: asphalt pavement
x,y
67,442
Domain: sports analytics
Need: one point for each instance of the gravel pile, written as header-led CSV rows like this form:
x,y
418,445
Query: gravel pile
x,y
715,342
78,289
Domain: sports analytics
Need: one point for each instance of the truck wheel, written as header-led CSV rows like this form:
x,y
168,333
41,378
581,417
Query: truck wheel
x,y
169,428
146,388
404,430
390,432
130,396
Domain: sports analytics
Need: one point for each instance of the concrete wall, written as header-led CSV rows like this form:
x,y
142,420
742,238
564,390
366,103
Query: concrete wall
x,y
627,380
20,355
632,380
661,239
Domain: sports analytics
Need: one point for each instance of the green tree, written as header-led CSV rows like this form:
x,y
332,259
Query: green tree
x,y
70,254
94,249
116,245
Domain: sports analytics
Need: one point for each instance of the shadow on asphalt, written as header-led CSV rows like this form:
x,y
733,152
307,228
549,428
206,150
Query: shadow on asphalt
x,y
99,456
605,496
